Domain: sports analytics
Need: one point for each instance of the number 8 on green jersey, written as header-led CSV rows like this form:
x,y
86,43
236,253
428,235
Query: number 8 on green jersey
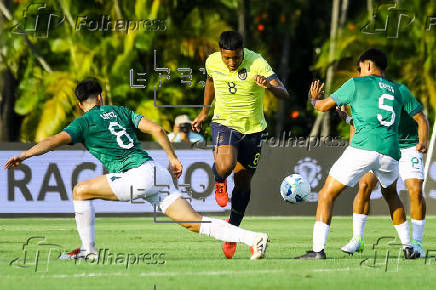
x,y
108,132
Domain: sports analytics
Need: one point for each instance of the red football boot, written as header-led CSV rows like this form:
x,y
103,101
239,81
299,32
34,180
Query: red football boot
x,y
221,195
229,248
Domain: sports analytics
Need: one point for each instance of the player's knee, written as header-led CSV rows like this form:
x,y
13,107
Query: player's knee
x,y
223,167
324,196
79,191
365,190
415,191
416,195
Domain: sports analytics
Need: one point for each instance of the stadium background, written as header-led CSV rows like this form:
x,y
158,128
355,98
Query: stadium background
x,y
154,66
149,56
44,183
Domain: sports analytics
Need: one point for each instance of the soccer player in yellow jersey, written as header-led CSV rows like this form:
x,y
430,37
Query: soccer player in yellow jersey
x,y
237,79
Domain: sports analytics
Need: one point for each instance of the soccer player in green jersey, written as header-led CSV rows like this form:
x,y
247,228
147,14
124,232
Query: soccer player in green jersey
x,y
376,104
411,170
108,133
237,79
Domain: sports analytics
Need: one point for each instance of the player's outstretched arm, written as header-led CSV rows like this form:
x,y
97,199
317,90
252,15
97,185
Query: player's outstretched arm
x,y
275,86
209,95
149,127
316,91
42,147
422,122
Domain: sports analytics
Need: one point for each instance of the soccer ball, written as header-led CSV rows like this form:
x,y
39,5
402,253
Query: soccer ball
x,y
295,188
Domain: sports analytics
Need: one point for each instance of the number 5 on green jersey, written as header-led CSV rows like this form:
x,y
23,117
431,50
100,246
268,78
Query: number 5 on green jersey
x,y
385,107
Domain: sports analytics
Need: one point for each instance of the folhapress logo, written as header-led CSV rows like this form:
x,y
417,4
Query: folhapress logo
x,y
38,20
37,254
388,21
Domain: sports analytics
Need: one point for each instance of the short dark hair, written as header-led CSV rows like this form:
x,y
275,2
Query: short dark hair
x,y
89,88
231,40
375,55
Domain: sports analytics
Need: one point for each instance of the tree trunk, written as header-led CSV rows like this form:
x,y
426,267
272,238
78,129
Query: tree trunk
x,y
9,121
242,18
369,7
323,119
344,10
284,73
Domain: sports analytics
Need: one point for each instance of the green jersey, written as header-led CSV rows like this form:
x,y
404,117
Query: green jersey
x,y
408,131
108,133
238,99
376,105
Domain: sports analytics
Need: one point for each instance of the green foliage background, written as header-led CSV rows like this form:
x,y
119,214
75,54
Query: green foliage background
x,y
45,99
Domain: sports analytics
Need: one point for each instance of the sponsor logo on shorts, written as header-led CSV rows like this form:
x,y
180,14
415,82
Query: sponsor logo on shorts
x,y
113,178
219,139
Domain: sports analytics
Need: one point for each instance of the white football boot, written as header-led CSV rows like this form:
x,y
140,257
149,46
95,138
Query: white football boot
x,y
259,247
355,245
78,254
417,246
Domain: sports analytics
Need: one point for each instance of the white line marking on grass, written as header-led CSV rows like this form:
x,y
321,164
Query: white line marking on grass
x,y
210,273
336,270
85,275
160,274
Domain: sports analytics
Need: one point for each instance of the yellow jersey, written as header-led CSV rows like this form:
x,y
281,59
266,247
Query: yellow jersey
x,y
238,99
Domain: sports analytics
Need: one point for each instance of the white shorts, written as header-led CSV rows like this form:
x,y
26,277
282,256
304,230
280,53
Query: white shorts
x,y
411,164
354,163
140,182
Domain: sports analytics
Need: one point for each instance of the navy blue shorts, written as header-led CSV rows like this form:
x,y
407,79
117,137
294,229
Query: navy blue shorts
x,y
248,145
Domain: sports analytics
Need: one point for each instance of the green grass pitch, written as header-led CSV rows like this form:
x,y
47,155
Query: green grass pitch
x,y
196,262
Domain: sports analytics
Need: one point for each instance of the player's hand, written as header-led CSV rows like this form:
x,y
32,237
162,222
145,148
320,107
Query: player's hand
x,y
176,167
341,112
421,147
14,161
262,82
316,90
198,122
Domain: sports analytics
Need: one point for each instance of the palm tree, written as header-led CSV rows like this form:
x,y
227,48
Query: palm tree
x,y
323,119
48,77
411,60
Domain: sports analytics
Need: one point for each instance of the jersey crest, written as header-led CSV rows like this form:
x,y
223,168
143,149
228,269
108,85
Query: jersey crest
x,y
242,74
